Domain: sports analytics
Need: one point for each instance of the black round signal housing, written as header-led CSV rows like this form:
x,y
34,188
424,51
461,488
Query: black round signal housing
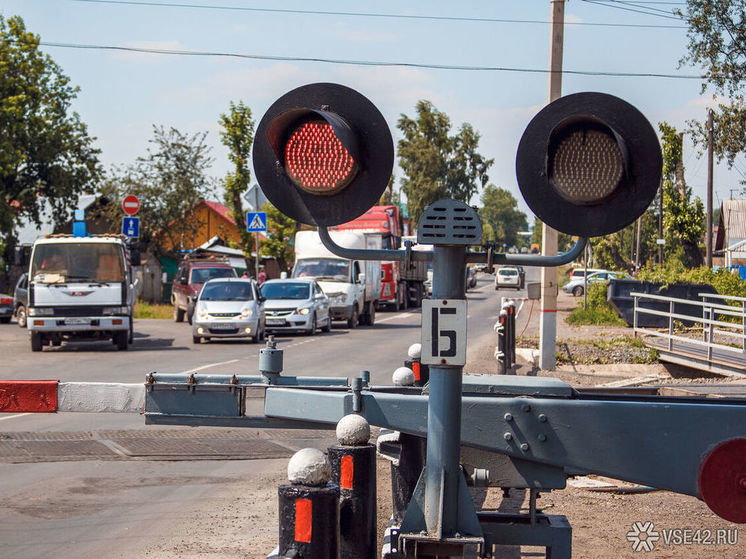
x,y
323,154
589,164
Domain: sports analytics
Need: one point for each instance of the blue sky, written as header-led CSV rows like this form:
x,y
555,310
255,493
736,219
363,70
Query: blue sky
x,y
124,93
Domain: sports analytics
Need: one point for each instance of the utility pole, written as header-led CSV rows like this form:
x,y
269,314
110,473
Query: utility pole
x,y
660,224
549,288
710,149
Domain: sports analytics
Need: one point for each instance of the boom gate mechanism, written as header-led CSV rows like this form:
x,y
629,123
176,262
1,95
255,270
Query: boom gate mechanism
x,y
587,162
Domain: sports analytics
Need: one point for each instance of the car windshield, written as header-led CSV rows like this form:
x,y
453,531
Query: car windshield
x,y
58,263
227,291
201,275
322,268
285,290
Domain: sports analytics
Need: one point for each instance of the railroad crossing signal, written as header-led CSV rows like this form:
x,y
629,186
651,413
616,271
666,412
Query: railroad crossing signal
x,y
131,227
256,222
589,164
323,154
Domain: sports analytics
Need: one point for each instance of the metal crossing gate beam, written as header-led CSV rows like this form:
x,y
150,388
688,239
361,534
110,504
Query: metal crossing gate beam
x,y
50,396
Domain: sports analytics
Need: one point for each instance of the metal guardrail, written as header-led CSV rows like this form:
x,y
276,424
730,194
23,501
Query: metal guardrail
x,y
709,322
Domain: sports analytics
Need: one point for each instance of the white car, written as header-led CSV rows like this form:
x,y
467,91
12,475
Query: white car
x,y
228,308
508,276
296,305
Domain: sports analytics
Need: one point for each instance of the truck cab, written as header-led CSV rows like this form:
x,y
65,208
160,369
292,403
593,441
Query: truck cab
x,y
80,288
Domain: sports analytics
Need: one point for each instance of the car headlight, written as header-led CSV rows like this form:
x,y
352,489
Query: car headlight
x,y
111,311
304,310
246,313
40,311
201,311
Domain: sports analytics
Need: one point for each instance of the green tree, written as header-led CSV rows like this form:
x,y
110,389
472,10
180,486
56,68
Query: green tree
x,y
717,44
500,211
281,232
564,241
683,217
437,165
237,136
169,181
45,150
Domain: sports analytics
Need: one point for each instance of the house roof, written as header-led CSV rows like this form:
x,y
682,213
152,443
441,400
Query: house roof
x,y
28,231
221,209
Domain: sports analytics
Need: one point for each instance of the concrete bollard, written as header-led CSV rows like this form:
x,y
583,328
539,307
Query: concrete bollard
x,y
353,465
421,372
309,510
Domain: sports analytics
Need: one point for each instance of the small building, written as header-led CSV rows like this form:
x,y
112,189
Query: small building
x,y
730,242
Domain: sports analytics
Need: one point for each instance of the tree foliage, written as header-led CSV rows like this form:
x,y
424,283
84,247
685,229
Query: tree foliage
x,y
500,212
436,164
717,44
45,150
169,181
683,216
238,135
281,232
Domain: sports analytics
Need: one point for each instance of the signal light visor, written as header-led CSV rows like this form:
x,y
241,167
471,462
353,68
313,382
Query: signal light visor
x,y
316,160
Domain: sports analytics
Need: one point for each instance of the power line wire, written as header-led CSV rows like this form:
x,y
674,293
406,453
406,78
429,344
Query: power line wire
x,y
641,11
362,62
365,14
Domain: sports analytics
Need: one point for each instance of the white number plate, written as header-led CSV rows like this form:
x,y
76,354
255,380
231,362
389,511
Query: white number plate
x,y
444,332
275,322
223,326
77,321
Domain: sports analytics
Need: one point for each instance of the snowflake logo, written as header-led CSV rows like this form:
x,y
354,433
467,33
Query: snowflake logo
x,y
643,536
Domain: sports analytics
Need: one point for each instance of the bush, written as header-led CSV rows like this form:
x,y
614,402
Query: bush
x,y
723,280
598,311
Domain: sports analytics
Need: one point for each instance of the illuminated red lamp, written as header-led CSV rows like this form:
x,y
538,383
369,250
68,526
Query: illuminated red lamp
x,y
315,159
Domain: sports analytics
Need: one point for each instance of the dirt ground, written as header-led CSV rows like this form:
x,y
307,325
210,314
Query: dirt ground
x,y
606,522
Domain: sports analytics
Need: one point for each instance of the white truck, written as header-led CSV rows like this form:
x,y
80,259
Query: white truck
x,y
81,288
353,286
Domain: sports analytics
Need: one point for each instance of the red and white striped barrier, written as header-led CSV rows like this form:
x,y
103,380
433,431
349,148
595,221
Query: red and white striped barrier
x,y
51,396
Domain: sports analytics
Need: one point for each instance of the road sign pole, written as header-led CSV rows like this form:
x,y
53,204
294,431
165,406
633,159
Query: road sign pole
x,y
443,469
256,244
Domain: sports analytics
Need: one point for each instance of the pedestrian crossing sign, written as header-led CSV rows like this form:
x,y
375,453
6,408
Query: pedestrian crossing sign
x,y
256,221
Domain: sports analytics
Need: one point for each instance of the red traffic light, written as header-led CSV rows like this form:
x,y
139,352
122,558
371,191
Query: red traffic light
x,y
589,164
323,154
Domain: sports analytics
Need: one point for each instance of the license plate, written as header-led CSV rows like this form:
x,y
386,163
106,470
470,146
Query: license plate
x,y
275,322
223,326
77,321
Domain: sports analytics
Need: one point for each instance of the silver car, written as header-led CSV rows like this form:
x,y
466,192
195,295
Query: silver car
x,y
295,305
228,308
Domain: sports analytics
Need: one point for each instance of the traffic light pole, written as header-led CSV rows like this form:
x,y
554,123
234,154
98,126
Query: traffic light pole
x,y
443,467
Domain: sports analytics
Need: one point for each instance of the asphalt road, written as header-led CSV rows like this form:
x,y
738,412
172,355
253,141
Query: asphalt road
x,y
79,492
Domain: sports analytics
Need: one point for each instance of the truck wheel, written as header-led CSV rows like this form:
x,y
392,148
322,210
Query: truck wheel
x,y
196,340
352,321
120,339
21,316
36,341
178,314
370,320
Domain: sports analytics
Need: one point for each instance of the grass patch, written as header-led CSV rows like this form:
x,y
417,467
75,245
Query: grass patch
x,y
622,349
144,309
598,312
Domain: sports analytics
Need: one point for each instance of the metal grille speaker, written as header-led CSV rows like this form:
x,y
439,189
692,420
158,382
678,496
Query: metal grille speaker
x,y
449,222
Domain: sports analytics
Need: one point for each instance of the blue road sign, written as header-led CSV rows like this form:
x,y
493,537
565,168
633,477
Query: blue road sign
x,y
256,221
131,227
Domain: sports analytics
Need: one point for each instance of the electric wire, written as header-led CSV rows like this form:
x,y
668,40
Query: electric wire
x,y
641,11
365,14
363,62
